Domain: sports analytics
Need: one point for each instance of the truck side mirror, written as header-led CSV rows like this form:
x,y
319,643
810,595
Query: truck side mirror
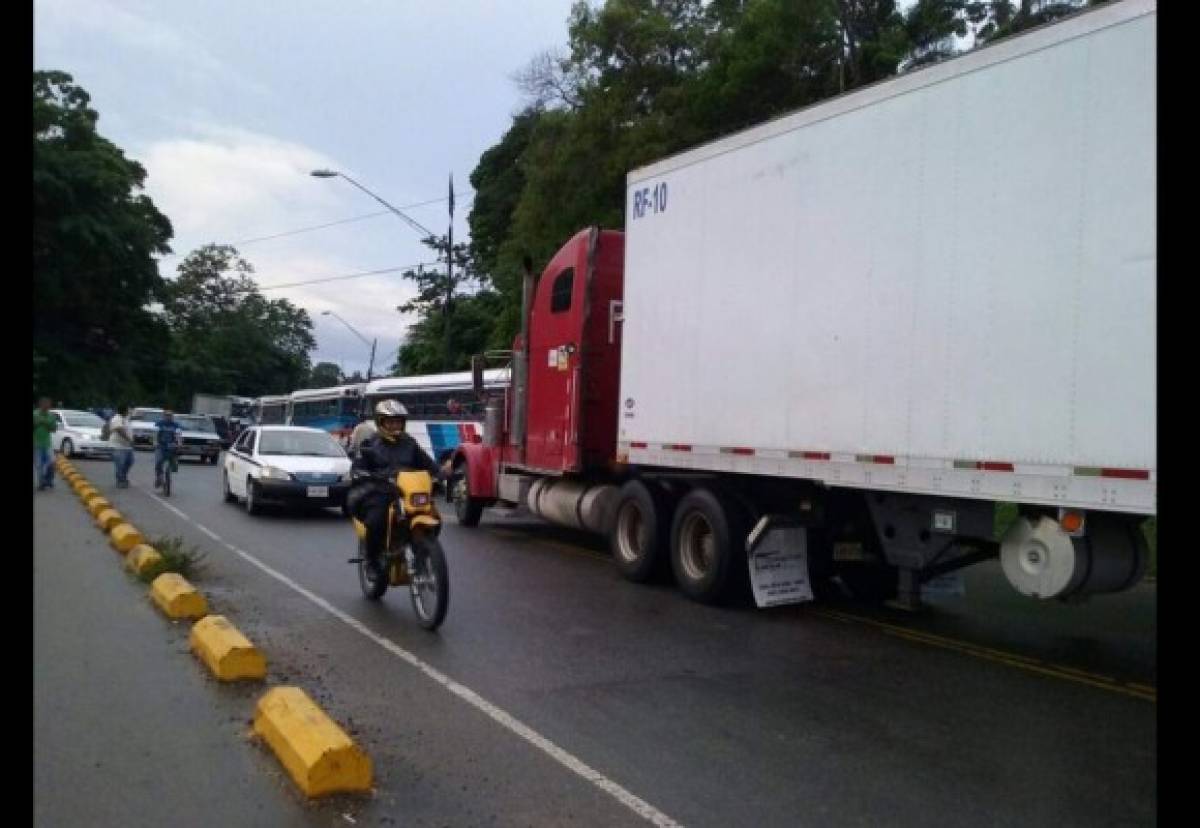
x,y
477,375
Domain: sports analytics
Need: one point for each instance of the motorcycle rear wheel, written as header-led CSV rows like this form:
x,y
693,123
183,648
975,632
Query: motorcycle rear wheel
x,y
371,577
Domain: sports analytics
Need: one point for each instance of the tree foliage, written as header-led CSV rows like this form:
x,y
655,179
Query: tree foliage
x,y
95,239
226,337
324,375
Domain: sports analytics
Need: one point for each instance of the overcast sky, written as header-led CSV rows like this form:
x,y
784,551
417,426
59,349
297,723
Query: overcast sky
x,y
229,104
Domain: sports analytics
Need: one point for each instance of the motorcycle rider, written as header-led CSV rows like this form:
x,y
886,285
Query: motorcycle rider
x,y
379,458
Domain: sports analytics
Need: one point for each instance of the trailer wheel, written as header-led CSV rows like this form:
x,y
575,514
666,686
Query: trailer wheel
x,y
708,554
640,534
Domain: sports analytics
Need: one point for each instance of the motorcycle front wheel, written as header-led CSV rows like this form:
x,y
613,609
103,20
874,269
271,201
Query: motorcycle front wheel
x,y
430,585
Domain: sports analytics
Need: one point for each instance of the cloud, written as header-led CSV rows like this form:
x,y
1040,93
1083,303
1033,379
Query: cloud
x,y
223,184
228,182
119,23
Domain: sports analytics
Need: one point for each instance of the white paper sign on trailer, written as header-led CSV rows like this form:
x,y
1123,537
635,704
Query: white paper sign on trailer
x,y
944,283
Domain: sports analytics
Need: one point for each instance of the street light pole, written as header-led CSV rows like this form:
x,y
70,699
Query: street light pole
x,y
428,234
372,343
413,223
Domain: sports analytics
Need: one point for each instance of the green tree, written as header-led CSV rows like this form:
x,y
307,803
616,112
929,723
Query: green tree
x,y
443,299
227,338
324,375
95,239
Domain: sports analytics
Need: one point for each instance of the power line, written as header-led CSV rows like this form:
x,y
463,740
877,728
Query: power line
x,y
357,275
363,217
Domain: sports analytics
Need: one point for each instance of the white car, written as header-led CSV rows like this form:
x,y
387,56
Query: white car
x,y
79,433
141,426
285,464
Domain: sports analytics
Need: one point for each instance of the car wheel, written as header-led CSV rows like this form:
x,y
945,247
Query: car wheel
x,y
67,448
253,506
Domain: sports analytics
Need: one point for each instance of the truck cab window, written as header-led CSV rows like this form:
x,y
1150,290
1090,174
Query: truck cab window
x,y
560,294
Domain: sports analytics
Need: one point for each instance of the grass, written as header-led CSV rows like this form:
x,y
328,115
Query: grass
x,y
186,561
1006,513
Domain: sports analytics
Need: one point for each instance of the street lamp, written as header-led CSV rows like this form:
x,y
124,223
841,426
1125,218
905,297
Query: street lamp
x,y
420,228
371,364
413,223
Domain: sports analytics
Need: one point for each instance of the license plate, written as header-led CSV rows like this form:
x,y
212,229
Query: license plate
x,y
318,491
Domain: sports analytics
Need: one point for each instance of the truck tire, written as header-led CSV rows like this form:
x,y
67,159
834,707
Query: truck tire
x,y
467,509
708,553
640,536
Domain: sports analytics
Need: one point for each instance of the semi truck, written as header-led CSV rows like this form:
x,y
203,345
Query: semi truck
x,y
827,346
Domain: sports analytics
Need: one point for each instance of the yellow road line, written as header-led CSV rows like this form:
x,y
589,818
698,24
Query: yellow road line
x,y
1033,665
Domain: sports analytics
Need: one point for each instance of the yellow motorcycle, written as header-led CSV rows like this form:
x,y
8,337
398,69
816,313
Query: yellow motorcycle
x,y
412,554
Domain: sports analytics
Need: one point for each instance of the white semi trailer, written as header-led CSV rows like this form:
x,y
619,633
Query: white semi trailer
x,y
848,332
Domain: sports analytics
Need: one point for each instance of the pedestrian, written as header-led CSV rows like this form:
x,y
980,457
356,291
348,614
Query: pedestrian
x,y
121,439
44,425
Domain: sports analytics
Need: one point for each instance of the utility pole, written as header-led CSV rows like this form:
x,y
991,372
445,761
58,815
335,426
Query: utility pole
x,y
449,283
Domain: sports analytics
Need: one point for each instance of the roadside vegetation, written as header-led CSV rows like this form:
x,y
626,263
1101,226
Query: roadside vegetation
x,y
177,557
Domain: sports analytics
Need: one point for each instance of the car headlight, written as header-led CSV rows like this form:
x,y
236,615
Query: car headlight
x,y
272,473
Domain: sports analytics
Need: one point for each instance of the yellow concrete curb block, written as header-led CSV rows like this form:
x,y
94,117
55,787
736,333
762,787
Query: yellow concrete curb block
x,y
142,558
176,597
316,753
85,491
96,505
109,518
227,652
125,537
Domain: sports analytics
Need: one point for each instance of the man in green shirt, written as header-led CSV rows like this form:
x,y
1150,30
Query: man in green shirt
x,y
44,425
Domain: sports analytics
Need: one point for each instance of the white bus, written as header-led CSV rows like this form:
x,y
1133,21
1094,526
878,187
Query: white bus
x,y
272,410
442,408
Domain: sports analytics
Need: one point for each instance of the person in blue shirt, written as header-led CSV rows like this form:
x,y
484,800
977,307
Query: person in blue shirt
x,y
167,437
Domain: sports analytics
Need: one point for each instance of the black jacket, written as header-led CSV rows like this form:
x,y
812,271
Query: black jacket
x,y
378,460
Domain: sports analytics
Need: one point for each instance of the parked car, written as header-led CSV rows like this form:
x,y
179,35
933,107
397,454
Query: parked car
x,y
286,464
79,433
199,437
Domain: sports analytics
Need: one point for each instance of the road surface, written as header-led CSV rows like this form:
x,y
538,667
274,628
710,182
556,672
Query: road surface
x,y
558,694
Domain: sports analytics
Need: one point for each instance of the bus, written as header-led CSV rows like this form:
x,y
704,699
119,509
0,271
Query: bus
x,y
334,409
443,410
273,410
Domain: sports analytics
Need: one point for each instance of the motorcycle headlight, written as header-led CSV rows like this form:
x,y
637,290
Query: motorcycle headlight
x,y
273,473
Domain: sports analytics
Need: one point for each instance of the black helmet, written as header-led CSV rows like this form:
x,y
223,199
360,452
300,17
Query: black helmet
x,y
390,410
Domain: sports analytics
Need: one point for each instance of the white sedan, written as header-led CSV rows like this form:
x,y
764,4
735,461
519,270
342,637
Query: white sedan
x,y
285,464
79,433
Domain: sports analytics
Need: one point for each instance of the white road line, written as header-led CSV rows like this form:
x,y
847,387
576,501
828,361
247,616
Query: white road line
x,y
570,761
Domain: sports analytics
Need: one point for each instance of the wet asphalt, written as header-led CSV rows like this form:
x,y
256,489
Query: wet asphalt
x,y
811,715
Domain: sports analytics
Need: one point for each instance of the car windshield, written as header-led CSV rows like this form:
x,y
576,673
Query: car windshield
x,y
300,444
146,414
197,424
83,420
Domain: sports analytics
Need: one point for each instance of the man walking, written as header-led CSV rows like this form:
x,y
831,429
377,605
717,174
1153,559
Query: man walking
x,y
121,439
44,425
